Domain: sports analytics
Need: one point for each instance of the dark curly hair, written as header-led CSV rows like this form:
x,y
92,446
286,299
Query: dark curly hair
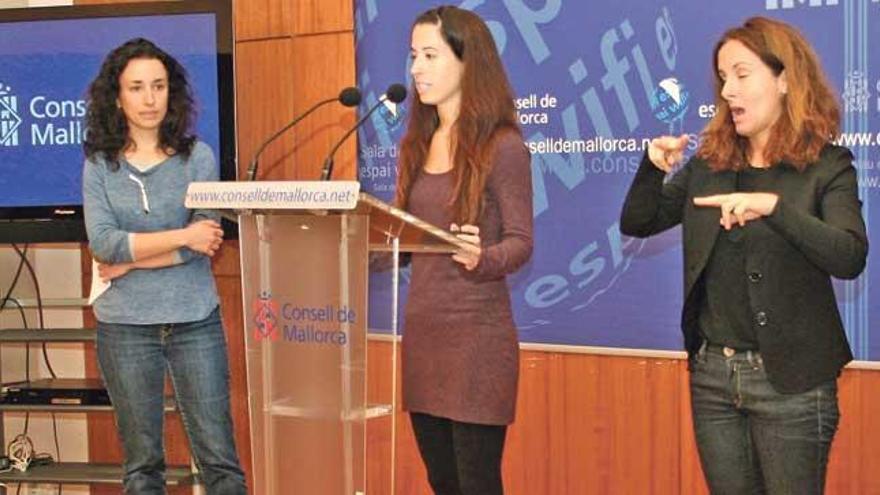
x,y
106,125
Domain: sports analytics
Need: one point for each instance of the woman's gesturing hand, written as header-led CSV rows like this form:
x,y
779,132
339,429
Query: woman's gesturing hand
x,y
740,208
665,151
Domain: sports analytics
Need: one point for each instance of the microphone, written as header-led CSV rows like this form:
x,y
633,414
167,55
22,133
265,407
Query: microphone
x,y
349,97
395,93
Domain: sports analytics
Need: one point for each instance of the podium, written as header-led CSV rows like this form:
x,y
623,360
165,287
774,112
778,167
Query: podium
x,y
305,250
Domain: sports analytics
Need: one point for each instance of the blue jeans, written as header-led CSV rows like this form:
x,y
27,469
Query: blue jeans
x,y
133,360
753,439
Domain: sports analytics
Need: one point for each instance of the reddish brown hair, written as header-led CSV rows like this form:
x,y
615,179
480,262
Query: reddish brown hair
x,y
486,108
810,117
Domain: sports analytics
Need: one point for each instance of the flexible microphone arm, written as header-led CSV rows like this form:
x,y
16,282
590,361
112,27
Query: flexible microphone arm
x,y
349,97
327,170
396,93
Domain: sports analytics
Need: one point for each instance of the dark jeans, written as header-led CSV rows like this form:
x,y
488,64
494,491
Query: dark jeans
x,y
133,360
753,439
461,458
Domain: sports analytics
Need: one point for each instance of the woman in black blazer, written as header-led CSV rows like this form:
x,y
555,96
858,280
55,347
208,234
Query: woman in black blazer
x,y
769,212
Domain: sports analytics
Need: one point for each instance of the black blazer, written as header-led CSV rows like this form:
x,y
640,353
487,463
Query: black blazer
x,y
815,232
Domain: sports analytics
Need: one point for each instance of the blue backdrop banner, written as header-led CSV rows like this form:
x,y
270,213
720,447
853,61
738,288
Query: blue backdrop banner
x,y
595,80
45,69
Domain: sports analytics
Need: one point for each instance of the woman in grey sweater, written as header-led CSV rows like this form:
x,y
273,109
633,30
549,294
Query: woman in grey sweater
x,y
161,310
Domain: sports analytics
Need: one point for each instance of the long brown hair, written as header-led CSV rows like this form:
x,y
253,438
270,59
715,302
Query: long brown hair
x,y
486,108
810,117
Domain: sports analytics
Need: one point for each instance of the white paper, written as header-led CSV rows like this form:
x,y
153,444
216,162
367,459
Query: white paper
x,y
98,285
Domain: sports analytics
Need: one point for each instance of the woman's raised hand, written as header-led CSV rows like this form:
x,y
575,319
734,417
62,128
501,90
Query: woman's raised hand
x,y
665,151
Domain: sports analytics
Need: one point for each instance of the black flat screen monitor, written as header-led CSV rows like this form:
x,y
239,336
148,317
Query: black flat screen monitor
x,y
48,57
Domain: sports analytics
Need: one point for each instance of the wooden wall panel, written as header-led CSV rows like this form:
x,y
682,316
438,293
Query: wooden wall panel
x,y
262,19
320,75
264,104
278,80
539,402
323,16
855,456
592,424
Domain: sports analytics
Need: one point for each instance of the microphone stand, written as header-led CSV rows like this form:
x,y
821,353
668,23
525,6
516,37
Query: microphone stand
x,y
327,169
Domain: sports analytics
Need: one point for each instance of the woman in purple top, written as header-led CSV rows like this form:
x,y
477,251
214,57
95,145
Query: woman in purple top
x,y
463,164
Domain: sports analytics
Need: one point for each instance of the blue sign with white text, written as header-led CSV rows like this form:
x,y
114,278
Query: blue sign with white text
x,y
593,82
45,69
